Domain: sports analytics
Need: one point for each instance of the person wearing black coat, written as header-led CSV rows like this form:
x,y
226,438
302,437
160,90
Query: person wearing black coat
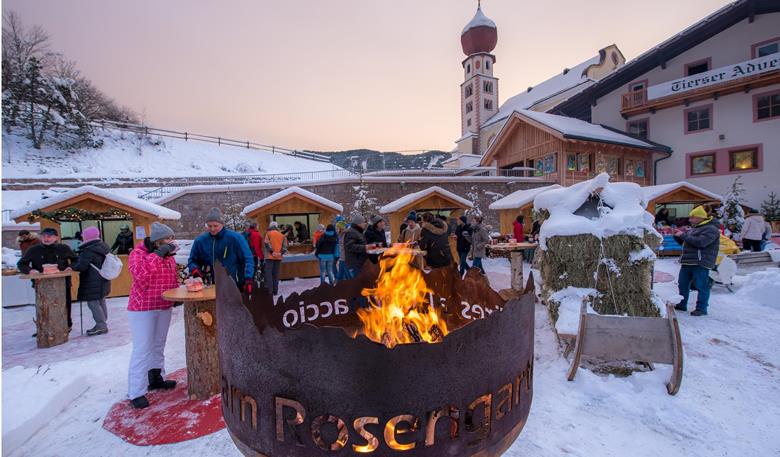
x,y
327,250
93,288
463,233
435,242
375,234
355,247
124,242
48,251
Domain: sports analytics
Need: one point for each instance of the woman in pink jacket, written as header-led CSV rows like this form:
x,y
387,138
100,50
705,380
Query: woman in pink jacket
x,y
153,269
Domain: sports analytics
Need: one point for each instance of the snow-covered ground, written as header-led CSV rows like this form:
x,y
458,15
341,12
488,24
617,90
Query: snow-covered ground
x,y
127,155
727,406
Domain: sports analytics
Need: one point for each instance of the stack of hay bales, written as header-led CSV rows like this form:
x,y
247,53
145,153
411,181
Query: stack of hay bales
x,y
598,235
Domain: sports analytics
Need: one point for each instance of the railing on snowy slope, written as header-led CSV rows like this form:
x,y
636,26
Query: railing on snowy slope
x,y
188,136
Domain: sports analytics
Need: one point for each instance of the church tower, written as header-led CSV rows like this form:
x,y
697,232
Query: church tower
x,y
479,91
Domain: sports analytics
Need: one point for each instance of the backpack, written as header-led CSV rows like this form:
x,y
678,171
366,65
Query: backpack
x,y
112,267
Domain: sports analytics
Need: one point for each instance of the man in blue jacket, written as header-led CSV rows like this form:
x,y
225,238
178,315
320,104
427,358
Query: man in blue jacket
x,y
225,246
700,250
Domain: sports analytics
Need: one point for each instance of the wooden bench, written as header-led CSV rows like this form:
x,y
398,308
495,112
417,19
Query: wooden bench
x,y
752,259
643,339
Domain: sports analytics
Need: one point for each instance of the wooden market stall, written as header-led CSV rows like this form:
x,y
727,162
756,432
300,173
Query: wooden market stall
x,y
287,207
433,199
518,203
89,206
679,198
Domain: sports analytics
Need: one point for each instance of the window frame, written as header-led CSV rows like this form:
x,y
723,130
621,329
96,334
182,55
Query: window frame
x,y
770,94
488,104
469,107
696,63
693,157
487,87
686,123
633,84
755,46
469,90
646,120
752,149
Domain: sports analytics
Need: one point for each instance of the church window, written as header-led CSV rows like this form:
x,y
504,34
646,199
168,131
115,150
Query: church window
x,y
489,105
488,87
469,107
469,90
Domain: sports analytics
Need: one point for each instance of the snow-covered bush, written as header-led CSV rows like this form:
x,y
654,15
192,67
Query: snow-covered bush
x,y
731,212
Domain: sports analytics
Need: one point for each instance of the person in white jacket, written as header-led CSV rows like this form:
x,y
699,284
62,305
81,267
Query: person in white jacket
x,y
753,231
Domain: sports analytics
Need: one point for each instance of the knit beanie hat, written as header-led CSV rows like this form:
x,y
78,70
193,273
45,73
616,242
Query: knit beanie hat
x,y
412,216
464,219
697,212
358,219
160,231
376,219
214,215
90,234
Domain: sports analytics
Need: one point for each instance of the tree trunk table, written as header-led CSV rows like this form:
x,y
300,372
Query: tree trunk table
x,y
51,314
515,251
200,330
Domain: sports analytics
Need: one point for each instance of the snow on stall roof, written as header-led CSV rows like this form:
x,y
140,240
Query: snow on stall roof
x,y
132,202
579,129
520,198
624,211
479,20
289,191
653,192
406,200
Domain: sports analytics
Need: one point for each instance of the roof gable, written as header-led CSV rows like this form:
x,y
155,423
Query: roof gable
x,y
407,201
288,194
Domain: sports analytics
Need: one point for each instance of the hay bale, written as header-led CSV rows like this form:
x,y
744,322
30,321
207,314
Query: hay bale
x,y
623,280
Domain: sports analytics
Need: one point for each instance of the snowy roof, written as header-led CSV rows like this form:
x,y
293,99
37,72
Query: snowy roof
x,y
577,129
468,134
131,202
624,211
653,192
271,199
558,84
479,20
407,200
520,198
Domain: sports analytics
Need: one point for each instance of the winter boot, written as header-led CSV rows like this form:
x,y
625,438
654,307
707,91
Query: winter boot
x,y
698,312
156,380
681,307
140,402
96,331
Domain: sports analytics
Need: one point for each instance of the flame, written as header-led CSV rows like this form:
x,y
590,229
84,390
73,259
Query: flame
x,y
400,309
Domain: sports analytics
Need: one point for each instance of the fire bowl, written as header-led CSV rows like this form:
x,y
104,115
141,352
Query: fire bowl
x,y
299,379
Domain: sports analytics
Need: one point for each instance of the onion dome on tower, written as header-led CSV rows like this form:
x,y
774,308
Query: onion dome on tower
x,y
479,35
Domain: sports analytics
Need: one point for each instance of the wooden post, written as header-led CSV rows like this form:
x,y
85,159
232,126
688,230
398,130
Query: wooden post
x,y
200,327
200,331
51,315
516,261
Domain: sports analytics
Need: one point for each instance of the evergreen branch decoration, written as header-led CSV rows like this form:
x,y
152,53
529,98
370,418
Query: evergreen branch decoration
x,y
79,214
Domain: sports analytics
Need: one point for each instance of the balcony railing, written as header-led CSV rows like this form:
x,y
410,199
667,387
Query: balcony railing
x,y
634,99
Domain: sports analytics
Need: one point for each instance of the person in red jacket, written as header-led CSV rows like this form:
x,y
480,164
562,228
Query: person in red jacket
x,y
518,229
153,269
255,240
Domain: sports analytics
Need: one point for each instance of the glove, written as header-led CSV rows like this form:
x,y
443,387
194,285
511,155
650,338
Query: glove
x,y
165,250
248,286
196,273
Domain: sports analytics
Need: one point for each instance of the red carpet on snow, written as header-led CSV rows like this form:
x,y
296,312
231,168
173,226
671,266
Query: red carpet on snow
x,y
170,418
662,276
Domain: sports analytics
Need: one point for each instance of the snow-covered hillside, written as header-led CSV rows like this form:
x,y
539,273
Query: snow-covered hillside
x,y
128,155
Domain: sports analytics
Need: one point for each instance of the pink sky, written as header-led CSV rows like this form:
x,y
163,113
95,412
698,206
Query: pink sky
x,y
335,74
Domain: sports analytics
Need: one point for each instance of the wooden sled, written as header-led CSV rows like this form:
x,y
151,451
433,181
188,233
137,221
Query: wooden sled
x,y
645,339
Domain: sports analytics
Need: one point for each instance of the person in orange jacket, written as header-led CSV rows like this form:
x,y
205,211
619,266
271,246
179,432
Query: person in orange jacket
x,y
275,245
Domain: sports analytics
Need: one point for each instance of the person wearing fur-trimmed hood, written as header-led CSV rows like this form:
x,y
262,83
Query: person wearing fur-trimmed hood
x,y
435,241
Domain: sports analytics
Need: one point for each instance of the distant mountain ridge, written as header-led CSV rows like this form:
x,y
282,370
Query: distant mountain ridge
x,y
370,160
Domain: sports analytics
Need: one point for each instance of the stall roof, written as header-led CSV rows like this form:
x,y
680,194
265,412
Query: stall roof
x,y
141,206
520,198
407,200
294,190
653,192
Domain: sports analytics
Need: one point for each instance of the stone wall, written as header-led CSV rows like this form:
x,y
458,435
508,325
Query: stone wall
x,y
194,206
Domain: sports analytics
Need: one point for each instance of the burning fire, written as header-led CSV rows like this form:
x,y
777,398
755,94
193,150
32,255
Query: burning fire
x,y
400,310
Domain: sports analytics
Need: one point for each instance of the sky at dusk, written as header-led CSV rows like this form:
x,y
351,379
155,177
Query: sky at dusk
x,y
335,74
